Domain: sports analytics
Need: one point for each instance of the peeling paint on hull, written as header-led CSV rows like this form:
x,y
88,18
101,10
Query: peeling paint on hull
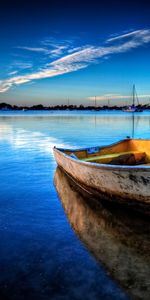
x,y
126,184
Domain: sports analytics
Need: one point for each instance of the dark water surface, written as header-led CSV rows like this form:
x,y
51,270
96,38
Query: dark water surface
x,y
41,257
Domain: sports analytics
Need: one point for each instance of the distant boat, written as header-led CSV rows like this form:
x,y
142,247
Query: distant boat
x,y
133,107
119,172
5,108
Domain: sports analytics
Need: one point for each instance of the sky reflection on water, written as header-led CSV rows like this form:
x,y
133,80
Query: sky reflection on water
x,y
40,255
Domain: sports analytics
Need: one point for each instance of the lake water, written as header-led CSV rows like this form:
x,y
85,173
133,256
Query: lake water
x,y
41,256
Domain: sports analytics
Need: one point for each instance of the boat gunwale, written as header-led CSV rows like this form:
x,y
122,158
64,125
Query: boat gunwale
x,y
99,165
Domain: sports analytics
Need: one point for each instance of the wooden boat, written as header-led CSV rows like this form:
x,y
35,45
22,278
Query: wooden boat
x,y
117,239
117,172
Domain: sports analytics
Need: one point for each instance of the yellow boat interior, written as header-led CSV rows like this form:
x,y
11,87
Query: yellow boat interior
x,y
125,152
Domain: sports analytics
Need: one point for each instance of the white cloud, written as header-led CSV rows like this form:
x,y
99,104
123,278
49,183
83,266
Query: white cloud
x,y
81,58
144,34
21,65
34,49
76,49
58,50
46,73
53,49
12,73
115,97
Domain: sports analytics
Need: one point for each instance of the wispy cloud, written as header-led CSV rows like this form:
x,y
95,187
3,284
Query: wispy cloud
x,y
50,49
21,65
81,58
144,34
116,97
58,50
34,49
13,73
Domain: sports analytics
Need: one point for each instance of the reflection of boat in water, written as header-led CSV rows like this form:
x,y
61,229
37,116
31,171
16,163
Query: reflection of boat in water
x,y
119,172
119,240
133,107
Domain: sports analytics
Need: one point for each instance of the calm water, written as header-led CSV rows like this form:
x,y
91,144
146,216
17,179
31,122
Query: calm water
x,y
41,256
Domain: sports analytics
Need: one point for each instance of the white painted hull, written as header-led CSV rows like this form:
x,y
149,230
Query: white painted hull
x,y
127,184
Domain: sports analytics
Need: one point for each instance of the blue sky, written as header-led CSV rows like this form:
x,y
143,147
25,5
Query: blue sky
x,y
54,50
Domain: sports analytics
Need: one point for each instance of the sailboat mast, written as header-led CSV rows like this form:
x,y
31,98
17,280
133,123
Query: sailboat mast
x,y
95,102
68,101
133,94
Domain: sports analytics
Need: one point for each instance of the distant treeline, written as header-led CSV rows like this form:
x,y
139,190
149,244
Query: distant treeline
x,y
6,106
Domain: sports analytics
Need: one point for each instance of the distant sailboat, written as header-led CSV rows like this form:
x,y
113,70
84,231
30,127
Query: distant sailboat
x,y
133,107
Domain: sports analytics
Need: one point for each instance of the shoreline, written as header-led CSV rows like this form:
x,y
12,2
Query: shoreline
x,y
40,107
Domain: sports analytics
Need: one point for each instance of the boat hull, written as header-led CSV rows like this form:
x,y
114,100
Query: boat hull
x,y
124,184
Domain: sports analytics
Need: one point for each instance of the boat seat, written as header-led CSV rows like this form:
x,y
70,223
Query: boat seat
x,y
121,158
